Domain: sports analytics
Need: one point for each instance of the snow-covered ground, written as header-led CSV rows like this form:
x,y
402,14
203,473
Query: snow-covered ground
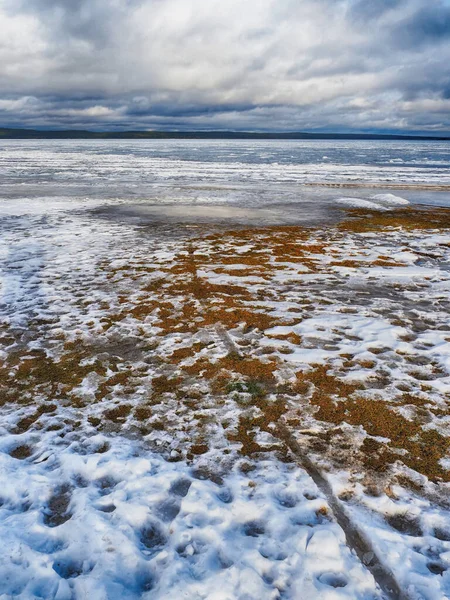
x,y
194,413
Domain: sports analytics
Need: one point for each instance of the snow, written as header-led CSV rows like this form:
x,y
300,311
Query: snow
x,y
379,202
390,200
413,547
99,505
141,527
365,333
360,203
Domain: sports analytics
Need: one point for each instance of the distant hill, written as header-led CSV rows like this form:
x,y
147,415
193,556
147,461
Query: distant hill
x,y
9,133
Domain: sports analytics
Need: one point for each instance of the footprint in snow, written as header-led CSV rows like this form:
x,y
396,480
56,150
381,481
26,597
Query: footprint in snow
x,y
442,534
286,499
254,528
405,524
335,580
152,537
68,568
21,452
225,495
180,487
57,510
168,509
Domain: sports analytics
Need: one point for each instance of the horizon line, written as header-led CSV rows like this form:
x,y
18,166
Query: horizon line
x,y
24,132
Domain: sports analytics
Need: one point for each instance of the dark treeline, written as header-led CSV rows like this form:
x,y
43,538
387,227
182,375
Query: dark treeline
x,y
9,133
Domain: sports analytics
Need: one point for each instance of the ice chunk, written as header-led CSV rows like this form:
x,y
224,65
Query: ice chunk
x,y
390,200
360,203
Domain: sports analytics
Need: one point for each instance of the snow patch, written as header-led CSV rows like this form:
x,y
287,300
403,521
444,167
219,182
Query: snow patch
x,y
390,200
377,202
360,203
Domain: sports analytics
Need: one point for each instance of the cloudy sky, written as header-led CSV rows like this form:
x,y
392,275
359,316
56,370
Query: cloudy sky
x,y
334,65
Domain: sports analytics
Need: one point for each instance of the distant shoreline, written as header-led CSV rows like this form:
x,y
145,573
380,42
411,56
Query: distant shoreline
x,y
12,133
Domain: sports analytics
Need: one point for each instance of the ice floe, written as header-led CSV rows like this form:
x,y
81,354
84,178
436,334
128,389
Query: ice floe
x,y
378,202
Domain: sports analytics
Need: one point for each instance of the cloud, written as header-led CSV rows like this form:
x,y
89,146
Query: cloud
x,y
259,64
429,25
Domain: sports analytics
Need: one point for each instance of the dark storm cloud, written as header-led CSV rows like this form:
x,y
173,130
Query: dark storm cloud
x,y
429,25
136,108
258,64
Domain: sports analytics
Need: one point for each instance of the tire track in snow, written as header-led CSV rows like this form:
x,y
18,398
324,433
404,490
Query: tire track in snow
x,y
356,540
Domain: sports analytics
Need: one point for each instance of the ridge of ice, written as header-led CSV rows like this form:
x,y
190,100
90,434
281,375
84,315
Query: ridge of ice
x,y
390,200
377,202
360,203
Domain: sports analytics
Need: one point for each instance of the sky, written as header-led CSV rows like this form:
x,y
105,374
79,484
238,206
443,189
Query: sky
x,y
255,65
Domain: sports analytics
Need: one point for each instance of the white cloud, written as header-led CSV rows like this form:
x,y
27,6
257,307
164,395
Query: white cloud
x,y
303,63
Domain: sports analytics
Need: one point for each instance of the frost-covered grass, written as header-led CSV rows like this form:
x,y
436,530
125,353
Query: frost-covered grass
x,y
147,375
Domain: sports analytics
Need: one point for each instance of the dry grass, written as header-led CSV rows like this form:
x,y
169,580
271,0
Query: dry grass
x,y
271,413
119,413
406,218
26,374
351,264
338,402
233,316
164,384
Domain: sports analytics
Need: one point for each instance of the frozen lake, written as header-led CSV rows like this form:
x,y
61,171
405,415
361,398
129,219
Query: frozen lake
x,y
270,182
